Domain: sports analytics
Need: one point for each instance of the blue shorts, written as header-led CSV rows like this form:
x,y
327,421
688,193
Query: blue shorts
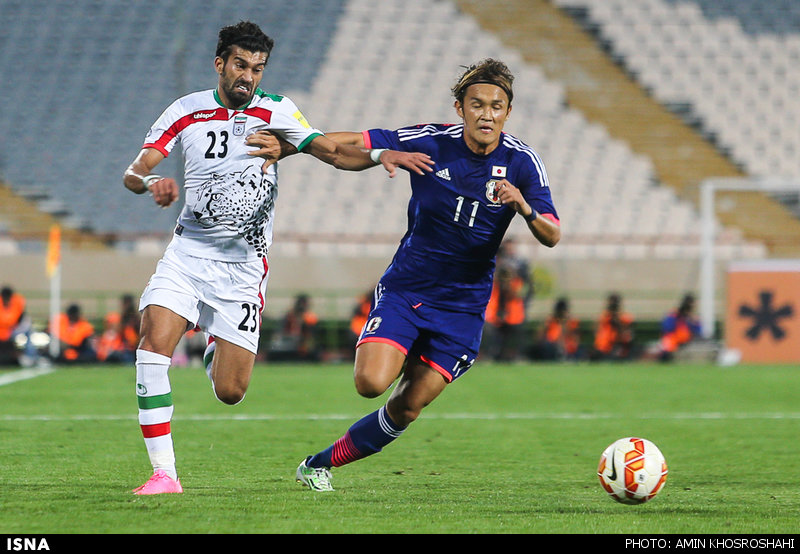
x,y
445,340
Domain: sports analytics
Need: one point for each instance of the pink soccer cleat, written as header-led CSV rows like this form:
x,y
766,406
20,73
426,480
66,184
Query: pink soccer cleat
x,y
159,483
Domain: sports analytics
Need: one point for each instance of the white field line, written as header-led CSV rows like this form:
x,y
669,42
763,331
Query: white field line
x,y
454,416
23,374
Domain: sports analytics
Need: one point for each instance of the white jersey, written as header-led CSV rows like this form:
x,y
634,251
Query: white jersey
x,y
230,203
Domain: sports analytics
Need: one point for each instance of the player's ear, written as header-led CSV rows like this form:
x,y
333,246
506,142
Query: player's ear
x,y
459,109
219,63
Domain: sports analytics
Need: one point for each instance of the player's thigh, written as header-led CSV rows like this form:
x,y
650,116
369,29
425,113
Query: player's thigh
x,y
418,387
232,367
391,329
170,303
161,330
377,365
232,301
451,342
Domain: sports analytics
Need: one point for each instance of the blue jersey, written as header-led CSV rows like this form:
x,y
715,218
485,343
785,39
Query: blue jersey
x,y
446,259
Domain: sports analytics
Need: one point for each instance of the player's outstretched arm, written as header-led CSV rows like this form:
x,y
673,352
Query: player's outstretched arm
x,y
273,147
346,152
139,178
349,150
546,231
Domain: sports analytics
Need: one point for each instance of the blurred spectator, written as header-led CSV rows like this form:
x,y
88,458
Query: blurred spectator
x,y
359,317
506,310
507,257
76,337
14,322
297,337
120,336
558,338
130,319
111,345
613,339
505,315
678,329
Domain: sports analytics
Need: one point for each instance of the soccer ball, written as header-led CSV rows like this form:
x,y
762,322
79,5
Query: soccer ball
x,y
632,470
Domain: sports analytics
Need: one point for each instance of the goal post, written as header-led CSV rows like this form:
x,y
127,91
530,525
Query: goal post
x,y
708,191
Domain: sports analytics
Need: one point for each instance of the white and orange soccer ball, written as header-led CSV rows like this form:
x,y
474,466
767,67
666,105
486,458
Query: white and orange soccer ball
x,y
632,470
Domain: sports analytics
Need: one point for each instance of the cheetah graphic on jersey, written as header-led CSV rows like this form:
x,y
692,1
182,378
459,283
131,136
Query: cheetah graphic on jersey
x,y
241,202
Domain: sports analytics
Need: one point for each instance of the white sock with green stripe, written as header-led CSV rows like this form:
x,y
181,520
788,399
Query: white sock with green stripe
x,y
208,357
208,360
154,396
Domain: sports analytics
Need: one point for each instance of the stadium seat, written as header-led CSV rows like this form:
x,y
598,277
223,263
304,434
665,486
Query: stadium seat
x,y
354,64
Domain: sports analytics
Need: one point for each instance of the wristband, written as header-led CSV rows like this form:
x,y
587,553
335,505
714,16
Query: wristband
x,y
532,216
149,180
375,154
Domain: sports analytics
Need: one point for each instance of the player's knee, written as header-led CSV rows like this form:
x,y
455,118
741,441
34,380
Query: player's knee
x,y
230,394
369,386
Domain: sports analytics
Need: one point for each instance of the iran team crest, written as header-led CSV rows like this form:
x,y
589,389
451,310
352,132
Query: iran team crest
x,y
238,124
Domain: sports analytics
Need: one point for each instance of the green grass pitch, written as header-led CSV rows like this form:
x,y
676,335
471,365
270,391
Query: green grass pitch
x,y
505,449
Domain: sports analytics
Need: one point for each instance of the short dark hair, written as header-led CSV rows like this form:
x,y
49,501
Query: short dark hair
x,y
246,35
489,71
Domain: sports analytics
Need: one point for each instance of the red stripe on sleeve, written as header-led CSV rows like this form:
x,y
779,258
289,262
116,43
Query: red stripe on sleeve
x,y
552,218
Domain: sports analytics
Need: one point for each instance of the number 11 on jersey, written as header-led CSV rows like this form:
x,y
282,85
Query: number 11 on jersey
x,y
460,203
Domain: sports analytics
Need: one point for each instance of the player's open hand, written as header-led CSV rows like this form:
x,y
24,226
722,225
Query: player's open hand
x,y
268,146
413,161
164,191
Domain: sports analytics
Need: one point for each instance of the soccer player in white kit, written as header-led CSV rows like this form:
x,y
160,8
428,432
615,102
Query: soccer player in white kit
x,y
214,272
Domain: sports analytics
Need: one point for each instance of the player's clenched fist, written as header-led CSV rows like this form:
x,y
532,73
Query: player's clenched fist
x,y
164,191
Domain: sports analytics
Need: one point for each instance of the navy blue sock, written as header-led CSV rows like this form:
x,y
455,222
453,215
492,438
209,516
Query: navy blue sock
x,y
365,437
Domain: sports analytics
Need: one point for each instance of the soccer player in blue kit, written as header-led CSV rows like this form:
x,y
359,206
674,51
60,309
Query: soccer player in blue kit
x,y
428,309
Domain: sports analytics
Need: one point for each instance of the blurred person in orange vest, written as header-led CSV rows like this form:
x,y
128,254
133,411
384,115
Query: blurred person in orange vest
x,y
130,320
76,336
13,322
112,345
124,323
505,314
558,337
359,317
613,339
678,328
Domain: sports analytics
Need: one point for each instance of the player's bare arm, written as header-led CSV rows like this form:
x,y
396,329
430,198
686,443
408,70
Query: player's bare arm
x,y
347,137
139,178
545,231
347,155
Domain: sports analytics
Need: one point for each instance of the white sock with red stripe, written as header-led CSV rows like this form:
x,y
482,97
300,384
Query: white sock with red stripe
x,y
154,396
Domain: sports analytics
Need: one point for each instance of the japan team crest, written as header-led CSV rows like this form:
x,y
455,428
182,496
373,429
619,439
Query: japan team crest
x,y
491,192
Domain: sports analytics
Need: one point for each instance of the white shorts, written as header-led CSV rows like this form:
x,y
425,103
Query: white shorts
x,y
224,299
